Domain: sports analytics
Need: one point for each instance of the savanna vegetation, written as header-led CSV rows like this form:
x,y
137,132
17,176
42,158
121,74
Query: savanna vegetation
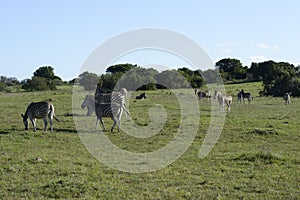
x,y
256,157
278,78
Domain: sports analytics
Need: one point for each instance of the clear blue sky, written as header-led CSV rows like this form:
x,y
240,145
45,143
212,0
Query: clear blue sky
x,y
63,33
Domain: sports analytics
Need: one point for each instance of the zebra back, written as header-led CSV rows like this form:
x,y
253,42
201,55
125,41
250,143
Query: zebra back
x,y
110,98
38,109
107,109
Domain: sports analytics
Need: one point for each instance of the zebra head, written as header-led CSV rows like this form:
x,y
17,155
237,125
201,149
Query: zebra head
x,y
25,121
87,101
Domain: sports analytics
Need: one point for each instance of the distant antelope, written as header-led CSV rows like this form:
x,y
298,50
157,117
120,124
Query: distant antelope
x,y
287,98
39,110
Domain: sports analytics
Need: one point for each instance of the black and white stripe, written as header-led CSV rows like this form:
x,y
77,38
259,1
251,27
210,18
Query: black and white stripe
x,y
114,97
112,110
39,110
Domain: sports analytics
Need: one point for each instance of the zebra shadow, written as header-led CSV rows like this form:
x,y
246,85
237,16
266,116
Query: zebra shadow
x,y
65,130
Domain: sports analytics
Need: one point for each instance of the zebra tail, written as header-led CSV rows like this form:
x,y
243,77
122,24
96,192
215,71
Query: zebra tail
x,y
52,109
125,110
56,118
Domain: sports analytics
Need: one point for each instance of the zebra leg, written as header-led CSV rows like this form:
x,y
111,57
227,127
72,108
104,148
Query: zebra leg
x,y
103,126
228,104
96,123
45,124
113,126
118,119
33,124
51,122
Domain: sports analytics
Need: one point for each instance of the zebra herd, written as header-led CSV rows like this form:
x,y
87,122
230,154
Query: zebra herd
x,y
112,105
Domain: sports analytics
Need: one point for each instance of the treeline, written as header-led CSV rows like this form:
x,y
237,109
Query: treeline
x,y
134,77
277,77
43,79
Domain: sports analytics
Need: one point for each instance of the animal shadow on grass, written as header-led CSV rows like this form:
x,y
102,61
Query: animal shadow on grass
x,y
65,130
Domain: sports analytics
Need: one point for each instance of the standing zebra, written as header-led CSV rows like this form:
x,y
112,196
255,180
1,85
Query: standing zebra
x,y
223,99
246,95
112,110
287,98
39,110
114,97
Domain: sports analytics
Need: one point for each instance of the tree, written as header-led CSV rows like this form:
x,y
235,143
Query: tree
x,y
2,86
37,83
172,79
43,79
279,78
120,68
212,76
45,72
193,77
138,78
88,80
9,81
231,68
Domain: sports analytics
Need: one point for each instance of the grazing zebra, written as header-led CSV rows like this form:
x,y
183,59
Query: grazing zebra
x,y
141,96
205,94
287,98
39,110
223,99
246,95
90,105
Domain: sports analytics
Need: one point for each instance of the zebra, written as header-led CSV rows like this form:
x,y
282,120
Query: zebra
x,y
89,105
246,95
287,98
205,94
114,97
39,110
112,110
223,99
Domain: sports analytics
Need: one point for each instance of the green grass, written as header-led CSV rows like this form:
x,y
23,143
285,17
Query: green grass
x,y
256,157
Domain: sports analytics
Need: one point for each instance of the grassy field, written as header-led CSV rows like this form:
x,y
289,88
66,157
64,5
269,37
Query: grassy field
x,y
256,157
